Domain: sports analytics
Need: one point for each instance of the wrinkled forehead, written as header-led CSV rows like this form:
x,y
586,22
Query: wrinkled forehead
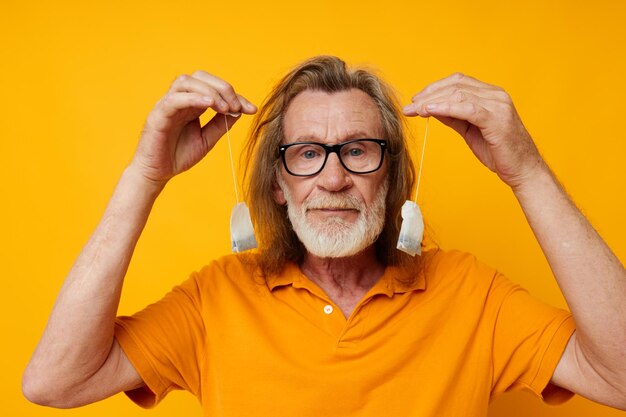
x,y
331,117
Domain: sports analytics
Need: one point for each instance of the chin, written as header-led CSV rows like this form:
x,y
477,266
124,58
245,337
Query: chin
x,y
335,242
327,254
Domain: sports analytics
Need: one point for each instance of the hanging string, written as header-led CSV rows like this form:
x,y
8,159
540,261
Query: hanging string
x,y
419,175
232,165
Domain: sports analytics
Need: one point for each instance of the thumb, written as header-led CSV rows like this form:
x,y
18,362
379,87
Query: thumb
x,y
215,128
460,126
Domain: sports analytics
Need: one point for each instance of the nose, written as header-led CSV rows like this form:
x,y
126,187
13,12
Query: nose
x,y
334,177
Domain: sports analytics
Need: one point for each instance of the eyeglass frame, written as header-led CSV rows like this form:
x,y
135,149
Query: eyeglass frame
x,y
282,149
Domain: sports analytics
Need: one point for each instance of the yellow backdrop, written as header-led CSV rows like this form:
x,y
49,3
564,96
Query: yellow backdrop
x,y
78,79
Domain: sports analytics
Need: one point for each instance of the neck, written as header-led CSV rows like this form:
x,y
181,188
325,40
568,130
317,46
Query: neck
x,y
352,274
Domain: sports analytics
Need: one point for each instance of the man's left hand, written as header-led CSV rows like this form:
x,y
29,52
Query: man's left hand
x,y
484,115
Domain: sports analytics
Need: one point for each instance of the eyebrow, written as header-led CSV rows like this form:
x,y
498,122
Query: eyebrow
x,y
357,134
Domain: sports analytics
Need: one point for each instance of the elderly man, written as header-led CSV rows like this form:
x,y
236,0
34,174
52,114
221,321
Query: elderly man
x,y
327,317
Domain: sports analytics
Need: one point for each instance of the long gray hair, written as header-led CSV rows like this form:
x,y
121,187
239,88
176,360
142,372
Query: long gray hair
x,y
277,239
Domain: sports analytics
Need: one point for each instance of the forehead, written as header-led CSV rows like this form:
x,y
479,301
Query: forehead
x,y
332,117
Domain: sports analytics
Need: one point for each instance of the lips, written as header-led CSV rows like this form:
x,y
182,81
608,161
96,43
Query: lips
x,y
332,215
332,209
333,203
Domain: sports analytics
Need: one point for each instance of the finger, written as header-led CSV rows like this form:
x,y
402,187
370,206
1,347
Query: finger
x,y
225,90
246,106
173,105
460,126
457,92
215,128
456,78
206,83
186,83
421,108
451,93
467,111
189,84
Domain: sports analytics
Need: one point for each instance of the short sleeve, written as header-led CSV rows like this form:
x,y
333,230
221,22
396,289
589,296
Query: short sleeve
x,y
529,339
165,344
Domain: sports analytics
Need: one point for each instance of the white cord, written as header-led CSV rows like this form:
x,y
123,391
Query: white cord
x,y
419,175
232,165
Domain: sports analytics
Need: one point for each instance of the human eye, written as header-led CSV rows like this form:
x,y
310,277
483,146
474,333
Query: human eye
x,y
309,152
354,150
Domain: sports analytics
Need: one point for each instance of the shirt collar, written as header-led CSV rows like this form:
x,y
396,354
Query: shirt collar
x,y
395,280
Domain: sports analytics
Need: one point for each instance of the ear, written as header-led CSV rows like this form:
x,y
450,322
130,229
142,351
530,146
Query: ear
x,y
279,195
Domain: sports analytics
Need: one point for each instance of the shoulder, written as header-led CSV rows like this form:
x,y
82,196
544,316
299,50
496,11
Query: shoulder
x,y
459,281
238,271
454,263
459,272
229,265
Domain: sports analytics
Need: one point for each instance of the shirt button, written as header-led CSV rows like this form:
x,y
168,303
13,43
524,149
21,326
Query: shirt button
x,y
328,309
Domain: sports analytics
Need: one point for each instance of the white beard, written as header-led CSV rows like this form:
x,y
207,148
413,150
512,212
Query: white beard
x,y
335,237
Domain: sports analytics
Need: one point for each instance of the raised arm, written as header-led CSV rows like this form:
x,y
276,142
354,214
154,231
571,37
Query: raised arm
x,y
77,360
592,279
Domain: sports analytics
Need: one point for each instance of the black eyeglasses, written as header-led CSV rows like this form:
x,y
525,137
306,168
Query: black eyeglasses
x,y
359,156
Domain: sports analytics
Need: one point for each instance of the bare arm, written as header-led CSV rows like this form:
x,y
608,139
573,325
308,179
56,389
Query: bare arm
x,y
593,282
77,360
592,279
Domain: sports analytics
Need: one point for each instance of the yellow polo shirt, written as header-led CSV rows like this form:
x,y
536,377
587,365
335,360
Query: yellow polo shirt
x,y
443,346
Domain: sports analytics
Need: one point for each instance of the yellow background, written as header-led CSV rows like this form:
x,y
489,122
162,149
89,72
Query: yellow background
x,y
78,79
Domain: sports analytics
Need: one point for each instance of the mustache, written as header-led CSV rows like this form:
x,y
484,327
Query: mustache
x,y
333,201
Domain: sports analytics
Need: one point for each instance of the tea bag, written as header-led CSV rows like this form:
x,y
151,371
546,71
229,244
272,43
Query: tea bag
x,y
412,229
241,231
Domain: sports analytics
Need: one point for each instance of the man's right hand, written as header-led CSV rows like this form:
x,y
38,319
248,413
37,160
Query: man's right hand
x,y
173,139
78,360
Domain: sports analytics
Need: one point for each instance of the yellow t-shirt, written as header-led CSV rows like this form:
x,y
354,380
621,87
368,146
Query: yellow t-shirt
x,y
443,346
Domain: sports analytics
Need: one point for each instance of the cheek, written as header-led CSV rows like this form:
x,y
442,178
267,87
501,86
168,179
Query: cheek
x,y
370,189
301,190
293,188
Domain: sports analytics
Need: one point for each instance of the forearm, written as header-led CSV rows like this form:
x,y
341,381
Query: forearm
x,y
590,276
79,334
